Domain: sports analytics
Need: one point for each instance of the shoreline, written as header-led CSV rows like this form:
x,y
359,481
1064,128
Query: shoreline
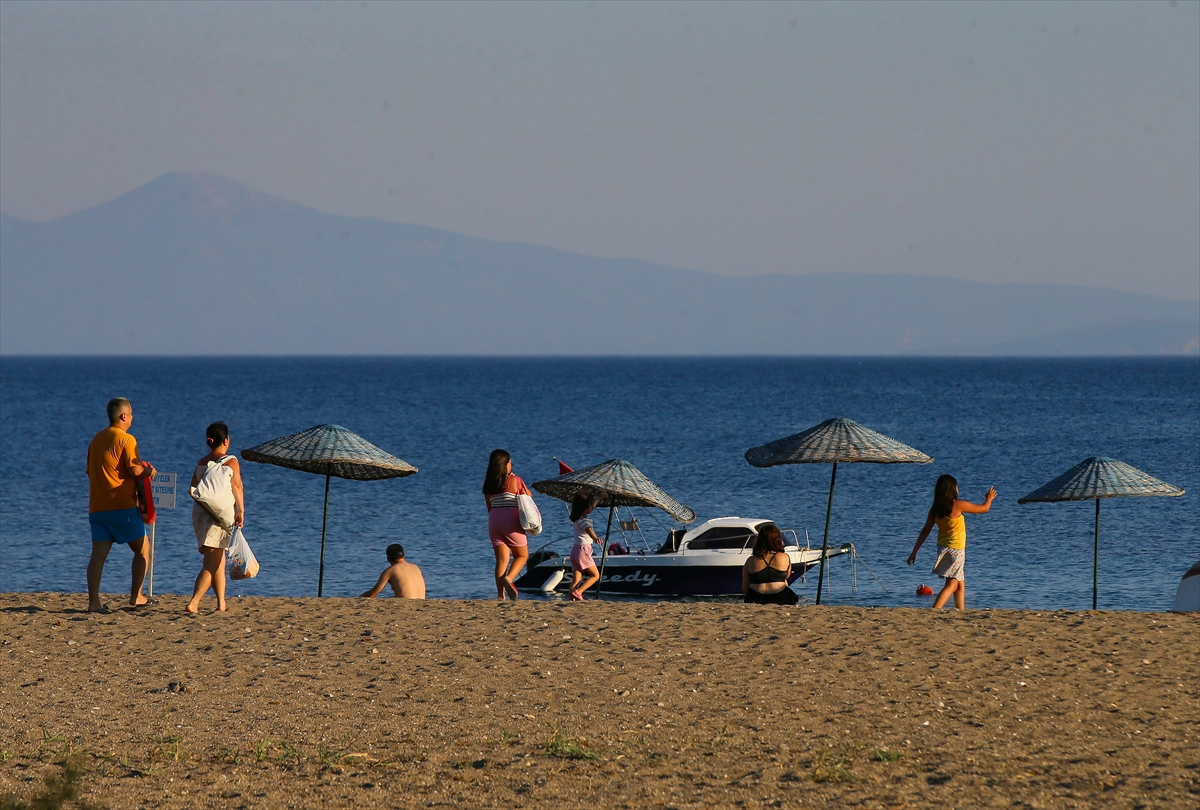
x,y
293,701
118,602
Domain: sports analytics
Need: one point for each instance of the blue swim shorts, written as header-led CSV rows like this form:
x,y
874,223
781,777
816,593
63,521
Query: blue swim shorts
x,y
117,526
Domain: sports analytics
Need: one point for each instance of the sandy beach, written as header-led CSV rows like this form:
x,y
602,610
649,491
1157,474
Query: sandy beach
x,y
348,703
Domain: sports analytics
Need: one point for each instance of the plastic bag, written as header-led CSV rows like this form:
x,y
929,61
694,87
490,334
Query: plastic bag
x,y
531,516
242,563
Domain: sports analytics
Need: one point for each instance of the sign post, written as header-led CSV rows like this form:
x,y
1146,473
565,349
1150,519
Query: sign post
x,y
163,490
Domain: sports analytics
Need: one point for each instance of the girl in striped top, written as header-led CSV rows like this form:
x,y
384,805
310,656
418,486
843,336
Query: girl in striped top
x,y
509,543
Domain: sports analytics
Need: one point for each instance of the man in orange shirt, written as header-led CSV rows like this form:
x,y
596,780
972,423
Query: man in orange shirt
x,y
112,468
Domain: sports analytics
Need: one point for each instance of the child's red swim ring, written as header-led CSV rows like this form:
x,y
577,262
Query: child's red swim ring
x,y
144,489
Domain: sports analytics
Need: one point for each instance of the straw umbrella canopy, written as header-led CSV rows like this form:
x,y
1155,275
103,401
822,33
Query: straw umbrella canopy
x,y
623,485
332,451
1095,478
834,441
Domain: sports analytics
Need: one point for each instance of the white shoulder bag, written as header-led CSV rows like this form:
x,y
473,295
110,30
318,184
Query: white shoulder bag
x,y
531,516
214,492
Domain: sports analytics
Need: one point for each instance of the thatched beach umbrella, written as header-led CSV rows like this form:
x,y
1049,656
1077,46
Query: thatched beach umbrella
x,y
329,450
623,485
1095,478
834,441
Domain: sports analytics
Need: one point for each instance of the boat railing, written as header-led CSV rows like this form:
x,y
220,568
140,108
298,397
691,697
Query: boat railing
x,y
795,535
791,537
546,546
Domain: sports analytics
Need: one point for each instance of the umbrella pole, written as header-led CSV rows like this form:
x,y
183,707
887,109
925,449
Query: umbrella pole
x,y
604,554
324,517
1096,557
825,540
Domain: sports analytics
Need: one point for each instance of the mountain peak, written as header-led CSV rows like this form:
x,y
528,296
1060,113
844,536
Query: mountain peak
x,y
211,266
203,192
199,196
196,181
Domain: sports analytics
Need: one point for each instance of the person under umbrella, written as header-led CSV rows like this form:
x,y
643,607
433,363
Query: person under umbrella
x,y
584,573
766,572
331,451
834,441
622,484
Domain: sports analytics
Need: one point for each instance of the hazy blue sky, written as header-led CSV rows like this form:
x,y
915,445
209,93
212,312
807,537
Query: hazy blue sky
x,y
1021,141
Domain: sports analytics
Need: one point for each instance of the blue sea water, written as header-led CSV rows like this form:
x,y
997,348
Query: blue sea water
x,y
1009,423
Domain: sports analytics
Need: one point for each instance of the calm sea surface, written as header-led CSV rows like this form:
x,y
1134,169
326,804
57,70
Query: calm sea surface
x,y
1012,424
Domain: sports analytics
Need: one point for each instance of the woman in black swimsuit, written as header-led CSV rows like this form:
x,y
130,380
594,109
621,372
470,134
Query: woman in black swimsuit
x,y
765,575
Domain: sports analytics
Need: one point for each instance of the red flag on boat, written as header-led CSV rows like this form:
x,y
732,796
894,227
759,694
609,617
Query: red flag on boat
x,y
563,469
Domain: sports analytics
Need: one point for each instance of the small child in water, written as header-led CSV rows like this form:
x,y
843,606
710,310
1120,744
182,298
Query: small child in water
x,y
404,577
582,561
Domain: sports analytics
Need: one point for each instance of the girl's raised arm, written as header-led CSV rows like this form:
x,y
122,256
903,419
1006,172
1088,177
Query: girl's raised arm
x,y
977,508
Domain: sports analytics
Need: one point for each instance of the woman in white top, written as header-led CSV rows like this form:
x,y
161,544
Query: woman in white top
x,y
213,538
582,561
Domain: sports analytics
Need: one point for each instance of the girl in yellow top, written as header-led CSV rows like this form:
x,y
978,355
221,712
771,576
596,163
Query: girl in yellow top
x,y
947,513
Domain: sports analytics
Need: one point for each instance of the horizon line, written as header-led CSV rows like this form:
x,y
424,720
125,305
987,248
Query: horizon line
x,y
349,356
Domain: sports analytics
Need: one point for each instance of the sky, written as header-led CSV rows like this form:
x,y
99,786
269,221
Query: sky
x,y
1055,142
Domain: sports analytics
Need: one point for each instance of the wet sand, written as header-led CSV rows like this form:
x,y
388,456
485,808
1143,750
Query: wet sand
x,y
347,703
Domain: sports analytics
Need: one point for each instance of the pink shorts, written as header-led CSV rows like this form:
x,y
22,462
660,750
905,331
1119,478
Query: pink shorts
x,y
504,528
581,557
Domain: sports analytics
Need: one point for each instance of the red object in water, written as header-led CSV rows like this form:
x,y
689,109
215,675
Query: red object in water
x,y
924,590
563,469
145,498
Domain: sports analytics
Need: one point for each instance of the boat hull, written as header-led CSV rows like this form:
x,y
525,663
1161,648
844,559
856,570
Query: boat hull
x,y
711,573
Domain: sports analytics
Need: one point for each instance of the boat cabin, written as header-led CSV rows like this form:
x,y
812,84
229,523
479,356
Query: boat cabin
x,y
718,534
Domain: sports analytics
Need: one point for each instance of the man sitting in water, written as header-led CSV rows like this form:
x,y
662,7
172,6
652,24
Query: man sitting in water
x,y
404,577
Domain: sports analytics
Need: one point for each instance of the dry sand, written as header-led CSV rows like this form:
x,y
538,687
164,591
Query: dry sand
x,y
348,703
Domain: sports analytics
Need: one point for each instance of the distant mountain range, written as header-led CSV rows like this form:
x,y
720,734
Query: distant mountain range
x,y
199,264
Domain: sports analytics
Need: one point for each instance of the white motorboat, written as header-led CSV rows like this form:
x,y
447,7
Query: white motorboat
x,y
704,561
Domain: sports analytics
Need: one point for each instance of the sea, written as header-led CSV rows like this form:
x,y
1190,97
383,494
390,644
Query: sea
x,y
684,422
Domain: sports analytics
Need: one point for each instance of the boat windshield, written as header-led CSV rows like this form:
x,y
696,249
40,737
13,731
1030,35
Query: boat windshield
x,y
671,545
723,537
